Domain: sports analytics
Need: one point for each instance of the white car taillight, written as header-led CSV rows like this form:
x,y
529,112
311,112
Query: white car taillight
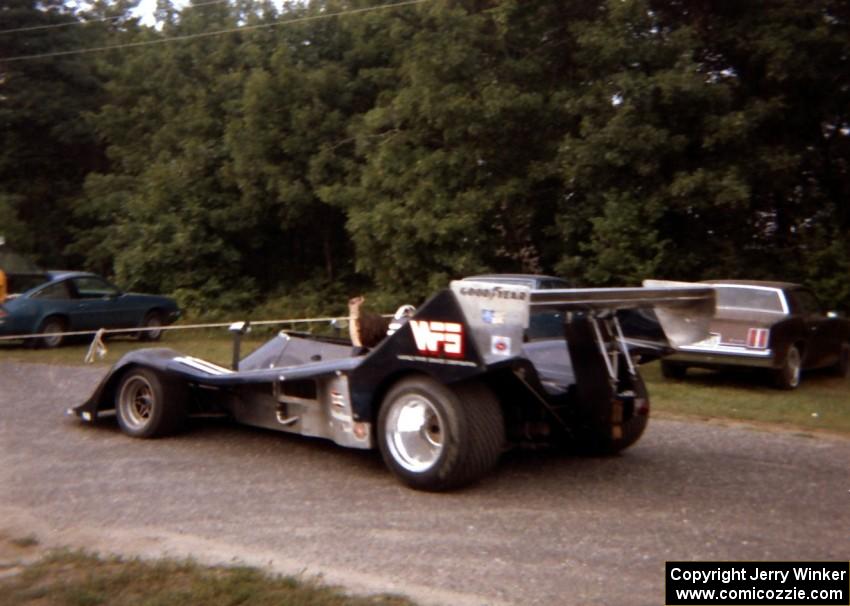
x,y
757,338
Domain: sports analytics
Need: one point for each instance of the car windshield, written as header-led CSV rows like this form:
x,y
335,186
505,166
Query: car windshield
x,y
729,297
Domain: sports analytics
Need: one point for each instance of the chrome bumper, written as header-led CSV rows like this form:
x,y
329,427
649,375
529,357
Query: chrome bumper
x,y
723,355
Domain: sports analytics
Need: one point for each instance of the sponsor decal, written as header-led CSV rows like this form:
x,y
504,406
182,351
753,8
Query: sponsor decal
x,y
500,346
435,338
497,292
491,316
757,338
202,365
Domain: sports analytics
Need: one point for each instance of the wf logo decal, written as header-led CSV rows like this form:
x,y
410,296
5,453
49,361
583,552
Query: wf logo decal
x,y
438,338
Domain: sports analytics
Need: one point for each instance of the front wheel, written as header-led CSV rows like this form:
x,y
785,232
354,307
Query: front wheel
x,y
788,376
435,437
149,405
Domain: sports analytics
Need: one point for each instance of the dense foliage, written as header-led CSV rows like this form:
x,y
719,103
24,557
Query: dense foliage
x,y
395,149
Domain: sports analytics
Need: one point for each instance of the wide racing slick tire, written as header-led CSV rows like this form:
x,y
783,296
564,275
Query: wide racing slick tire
x,y
789,374
152,321
435,437
621,428
150,405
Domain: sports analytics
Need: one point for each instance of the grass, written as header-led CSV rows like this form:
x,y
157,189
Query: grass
x,y
822,402
68,578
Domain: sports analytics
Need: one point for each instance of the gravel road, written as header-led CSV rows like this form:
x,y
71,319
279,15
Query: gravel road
x,y
544,530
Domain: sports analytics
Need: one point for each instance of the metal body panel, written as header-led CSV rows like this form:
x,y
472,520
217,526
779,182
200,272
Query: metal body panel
x,y
497,314
327,415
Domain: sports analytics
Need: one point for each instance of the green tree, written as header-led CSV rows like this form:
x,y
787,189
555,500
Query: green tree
x,y
46,148
458,171
164,208
650,179
606,141
788,64
710,140
284,146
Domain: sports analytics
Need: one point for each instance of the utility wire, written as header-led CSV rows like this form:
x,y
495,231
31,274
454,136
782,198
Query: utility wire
x,y
33,28
244,28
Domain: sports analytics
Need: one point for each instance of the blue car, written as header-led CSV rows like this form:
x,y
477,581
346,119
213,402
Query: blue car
x,y
79,301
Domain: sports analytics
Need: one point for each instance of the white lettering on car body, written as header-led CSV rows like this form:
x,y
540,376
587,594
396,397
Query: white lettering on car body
x,y
434,338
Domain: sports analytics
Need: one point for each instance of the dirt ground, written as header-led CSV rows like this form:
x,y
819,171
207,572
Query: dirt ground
x,y
541,530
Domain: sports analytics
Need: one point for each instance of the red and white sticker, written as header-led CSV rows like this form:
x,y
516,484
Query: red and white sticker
x,y
438,338
500,346
757,338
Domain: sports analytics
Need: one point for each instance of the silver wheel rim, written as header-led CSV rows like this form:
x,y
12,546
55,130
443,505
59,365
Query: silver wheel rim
x,y
414,432
153,322
52,327
792,367
136,402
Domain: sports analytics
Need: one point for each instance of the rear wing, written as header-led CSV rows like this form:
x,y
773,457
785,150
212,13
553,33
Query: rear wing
x,y
498,314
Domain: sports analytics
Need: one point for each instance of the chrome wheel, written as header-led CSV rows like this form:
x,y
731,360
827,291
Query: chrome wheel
x,y
788,377
150,404
136,402
792,367
437,437
151,321
414,432
52,325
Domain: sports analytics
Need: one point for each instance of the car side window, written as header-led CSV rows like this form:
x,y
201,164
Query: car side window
x,y
94,288
805,303
546,284
54,291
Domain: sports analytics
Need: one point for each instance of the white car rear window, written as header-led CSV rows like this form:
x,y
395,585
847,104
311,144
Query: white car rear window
x,y
763,299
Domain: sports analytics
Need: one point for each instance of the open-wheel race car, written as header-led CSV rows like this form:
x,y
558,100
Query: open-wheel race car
x,y
442,396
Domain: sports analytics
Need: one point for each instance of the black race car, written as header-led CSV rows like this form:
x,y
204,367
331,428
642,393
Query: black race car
x,y
442,396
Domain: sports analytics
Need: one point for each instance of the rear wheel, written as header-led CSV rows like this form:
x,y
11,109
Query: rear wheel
x,y
433,437
149,405
788,376
842,367
624,424
152,321
671,370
